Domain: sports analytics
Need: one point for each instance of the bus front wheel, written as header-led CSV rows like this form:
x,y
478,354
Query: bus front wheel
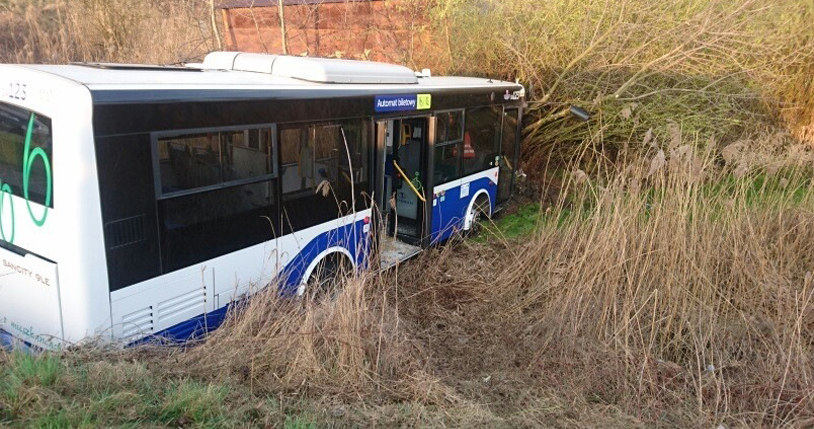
x,y
478,211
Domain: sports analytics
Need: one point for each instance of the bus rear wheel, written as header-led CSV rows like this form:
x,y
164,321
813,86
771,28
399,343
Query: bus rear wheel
x,y
327,276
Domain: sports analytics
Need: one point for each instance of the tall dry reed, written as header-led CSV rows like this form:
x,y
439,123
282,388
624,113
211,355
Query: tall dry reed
x,y
684,281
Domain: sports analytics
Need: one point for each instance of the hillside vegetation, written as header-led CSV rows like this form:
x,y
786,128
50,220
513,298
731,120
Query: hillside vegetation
x,y
655,272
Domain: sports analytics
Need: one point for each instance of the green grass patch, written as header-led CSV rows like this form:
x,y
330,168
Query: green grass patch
x,y
299,422
519,223
59,391
760,188
191,402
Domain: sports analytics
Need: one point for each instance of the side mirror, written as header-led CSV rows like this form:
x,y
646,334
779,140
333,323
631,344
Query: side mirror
x,y
580,113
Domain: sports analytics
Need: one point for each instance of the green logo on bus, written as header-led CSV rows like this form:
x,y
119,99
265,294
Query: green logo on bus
x,y
29,157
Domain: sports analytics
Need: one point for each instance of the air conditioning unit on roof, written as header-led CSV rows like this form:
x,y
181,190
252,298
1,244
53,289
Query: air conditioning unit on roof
x,y
322,70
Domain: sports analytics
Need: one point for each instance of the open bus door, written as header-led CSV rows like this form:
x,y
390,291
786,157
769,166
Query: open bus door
x,y
402,147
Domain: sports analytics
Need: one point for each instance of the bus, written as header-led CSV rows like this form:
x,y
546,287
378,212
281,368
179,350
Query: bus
x,y
141,201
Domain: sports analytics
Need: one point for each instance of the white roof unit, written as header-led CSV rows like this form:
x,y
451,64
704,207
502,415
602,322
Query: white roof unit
x,y
323,70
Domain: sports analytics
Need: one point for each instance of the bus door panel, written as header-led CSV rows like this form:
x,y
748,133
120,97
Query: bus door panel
x,y
408,157
410,138
509,142
403,142
388,169
447,213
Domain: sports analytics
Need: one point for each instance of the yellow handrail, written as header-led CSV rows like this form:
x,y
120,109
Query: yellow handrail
x,y
407,179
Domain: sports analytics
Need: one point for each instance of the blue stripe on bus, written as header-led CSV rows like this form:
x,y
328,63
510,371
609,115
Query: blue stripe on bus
x,y
448,215
9,343
6,340
350,237
188,330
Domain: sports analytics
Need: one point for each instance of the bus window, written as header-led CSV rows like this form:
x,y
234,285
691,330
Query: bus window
x,y
318,173
327,143
449,127
508,147
448,145
204,225
189,161
201,160
480,139
218,192
296,159
356,133
447,163
15,124
246,154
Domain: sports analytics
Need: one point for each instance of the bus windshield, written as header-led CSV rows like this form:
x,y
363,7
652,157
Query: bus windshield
x,y
25,155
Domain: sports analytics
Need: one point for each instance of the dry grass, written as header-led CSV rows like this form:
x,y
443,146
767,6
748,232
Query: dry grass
x,y
673,290
349,344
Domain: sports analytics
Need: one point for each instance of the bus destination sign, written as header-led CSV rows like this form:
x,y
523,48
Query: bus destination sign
x,y
401,103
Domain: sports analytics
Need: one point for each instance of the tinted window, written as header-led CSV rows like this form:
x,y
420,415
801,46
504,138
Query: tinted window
x,y
246,154
318,173
508,141
127,194
291,139
449,127
449,132
204,225
447,165
18,150
480,139
219,193
508,146
189,161
204,159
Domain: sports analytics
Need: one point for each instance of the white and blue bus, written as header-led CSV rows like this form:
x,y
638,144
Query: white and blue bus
x,y
140,201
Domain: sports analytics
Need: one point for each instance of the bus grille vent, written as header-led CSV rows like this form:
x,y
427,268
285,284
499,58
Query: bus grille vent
x,y
189,304
138,323
124,232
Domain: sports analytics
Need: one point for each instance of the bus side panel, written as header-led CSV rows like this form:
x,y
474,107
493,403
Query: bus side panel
x,y
451,201
192,300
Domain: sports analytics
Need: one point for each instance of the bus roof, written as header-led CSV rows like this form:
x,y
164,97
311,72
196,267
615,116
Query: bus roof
x,y
238,75
147,78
